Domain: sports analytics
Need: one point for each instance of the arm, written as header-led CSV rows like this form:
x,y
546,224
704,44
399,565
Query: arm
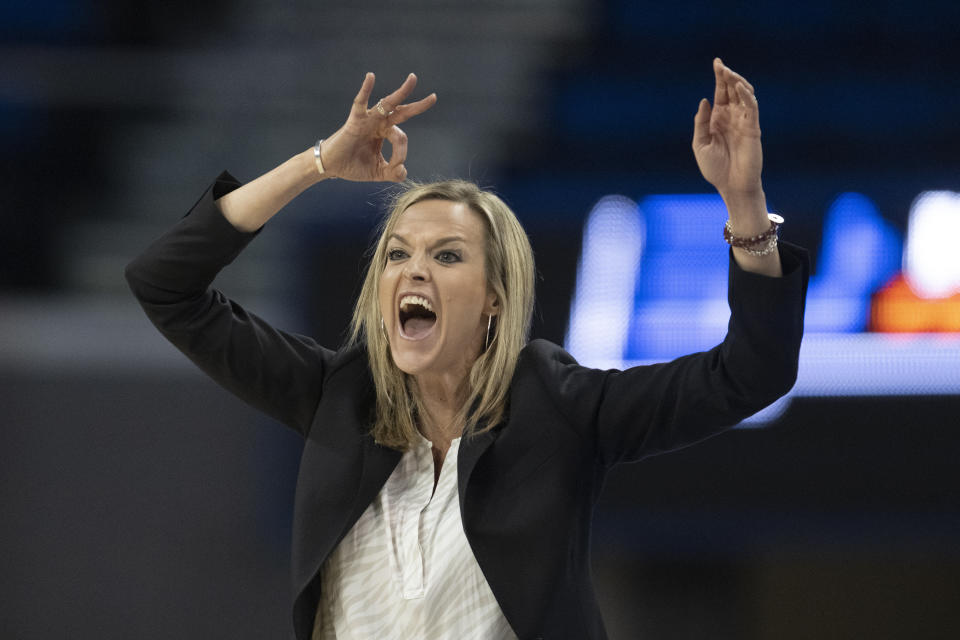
x,y
726,143
280,374
277,372
651,409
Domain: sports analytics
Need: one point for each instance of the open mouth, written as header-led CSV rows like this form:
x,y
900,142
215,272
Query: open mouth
x,y
417,318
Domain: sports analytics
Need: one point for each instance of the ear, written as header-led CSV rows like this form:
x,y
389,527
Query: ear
x,y
492,306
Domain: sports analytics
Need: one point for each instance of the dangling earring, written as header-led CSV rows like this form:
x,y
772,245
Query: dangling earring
x,y
383,329
486,344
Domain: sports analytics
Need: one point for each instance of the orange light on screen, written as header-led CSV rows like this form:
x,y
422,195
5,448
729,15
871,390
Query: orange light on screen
x,y
895,308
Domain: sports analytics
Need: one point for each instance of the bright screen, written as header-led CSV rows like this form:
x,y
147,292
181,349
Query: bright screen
x,y
883,311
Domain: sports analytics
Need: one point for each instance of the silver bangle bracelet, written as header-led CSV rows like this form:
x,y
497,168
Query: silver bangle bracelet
x,y
316,157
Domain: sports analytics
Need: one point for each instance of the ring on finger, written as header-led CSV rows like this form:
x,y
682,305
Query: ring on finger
x,y
381,110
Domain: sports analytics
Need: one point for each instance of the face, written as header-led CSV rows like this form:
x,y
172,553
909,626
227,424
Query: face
x,y
433,290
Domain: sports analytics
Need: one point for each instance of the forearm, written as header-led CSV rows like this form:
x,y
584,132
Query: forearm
x,y
249,207
748,217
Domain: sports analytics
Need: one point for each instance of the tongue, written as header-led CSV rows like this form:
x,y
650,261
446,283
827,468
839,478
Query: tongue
x,y
418,327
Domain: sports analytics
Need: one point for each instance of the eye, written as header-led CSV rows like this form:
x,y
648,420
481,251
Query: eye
x,y
396,254
448,257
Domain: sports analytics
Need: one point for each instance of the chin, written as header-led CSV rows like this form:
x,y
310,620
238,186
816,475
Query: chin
x,y
412,363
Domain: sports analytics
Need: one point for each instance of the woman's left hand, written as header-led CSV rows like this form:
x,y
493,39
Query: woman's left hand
x,y
726,137
726,143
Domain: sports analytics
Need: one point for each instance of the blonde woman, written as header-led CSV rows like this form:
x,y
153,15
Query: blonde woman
x,y
450,467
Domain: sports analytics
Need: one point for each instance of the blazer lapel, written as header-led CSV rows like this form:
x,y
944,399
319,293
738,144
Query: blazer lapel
x,y
378,463
470,451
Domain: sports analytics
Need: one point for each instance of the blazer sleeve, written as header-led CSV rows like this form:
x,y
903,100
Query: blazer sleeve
x,y
277,372
646,410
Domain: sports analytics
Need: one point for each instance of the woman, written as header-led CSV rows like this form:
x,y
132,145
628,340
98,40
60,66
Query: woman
x,y
450,468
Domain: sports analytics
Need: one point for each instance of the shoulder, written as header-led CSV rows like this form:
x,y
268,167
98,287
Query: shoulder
x,y
543,360
541,352
548,368
552,395
349,361
348,394
546,358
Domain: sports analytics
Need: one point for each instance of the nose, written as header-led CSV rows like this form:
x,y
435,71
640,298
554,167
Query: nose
x,y
417,268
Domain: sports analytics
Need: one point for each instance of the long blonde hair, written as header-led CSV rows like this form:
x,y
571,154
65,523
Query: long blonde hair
x,y
510,276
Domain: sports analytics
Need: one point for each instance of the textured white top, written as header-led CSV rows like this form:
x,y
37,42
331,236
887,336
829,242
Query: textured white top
x,y
405,570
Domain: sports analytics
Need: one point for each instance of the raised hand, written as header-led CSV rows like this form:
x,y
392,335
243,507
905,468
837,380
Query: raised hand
x,y
726,143
726,137
355,151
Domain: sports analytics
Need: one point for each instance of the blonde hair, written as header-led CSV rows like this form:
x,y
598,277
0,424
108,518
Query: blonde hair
x,y
510,276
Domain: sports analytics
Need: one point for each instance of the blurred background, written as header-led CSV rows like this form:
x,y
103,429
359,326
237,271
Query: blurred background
x,y
141,500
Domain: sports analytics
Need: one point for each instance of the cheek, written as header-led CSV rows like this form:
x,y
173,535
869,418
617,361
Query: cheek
x,y
466,302
385,293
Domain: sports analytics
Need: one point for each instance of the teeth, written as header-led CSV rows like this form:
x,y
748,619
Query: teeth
x,y
409,300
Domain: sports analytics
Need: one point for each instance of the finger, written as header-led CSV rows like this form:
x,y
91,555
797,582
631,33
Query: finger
x,y
728,84
720,92
363,96
748,102
398,154
396,98
732,77
701,125
406,111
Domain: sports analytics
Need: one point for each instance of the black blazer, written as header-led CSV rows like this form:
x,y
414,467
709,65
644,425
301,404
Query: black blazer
x,y
527,487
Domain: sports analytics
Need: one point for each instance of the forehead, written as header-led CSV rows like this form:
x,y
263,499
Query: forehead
x,y
438,219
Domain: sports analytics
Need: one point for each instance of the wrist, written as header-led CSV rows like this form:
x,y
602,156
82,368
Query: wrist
x,y
323,170
745,198
308,170
747,212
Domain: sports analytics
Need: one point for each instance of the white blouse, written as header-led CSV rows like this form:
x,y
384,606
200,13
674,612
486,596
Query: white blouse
x,y
405,570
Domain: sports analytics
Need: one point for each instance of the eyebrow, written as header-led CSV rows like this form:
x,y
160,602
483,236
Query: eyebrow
x,y
438,243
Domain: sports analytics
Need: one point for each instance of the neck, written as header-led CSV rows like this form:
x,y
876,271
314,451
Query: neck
x,y
441,397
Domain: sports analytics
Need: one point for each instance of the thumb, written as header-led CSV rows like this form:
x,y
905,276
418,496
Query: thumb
x,y
701,125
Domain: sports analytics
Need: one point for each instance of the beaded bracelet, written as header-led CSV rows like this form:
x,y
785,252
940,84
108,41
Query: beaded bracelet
x,y
754,251
758,245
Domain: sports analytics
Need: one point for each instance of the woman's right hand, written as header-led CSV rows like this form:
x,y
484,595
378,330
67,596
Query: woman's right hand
x,y
355,151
